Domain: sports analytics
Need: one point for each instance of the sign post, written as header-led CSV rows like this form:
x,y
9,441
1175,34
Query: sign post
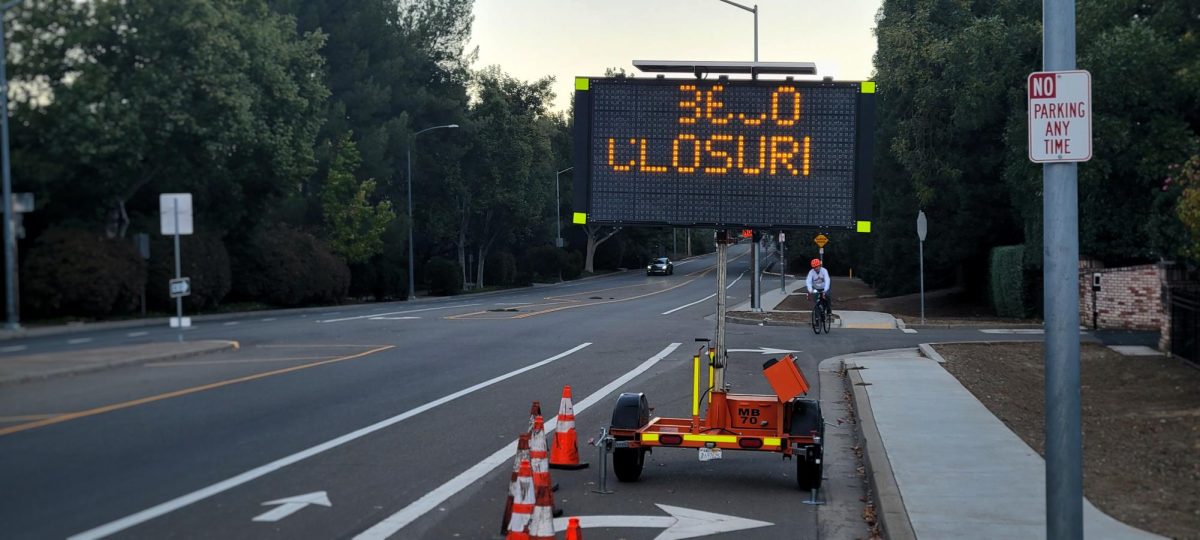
x,y
175,218
820,241
922,228
1059,109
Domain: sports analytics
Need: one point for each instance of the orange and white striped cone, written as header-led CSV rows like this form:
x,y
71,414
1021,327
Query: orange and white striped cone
x,y
524,502
522,455
564,454
540,462
541,522
535,411
574,531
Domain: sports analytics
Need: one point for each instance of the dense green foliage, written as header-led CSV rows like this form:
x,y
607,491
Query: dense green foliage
x,y
71,272
1006,283
203,260
442,277
287,267
952,134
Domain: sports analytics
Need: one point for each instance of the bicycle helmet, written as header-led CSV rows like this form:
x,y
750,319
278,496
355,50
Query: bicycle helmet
x,y
815,263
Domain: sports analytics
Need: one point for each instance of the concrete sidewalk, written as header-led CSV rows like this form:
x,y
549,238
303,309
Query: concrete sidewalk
x,y
942,465
773,296
18,369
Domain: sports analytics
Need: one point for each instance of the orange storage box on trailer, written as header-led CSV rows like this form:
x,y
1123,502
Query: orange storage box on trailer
x,y
785,378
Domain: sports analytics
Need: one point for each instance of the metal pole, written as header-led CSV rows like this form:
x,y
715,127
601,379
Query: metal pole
x,y
10,251
178,272
412,294
755,32
557,213
722,277
782,267
921,251
1060,248
755,301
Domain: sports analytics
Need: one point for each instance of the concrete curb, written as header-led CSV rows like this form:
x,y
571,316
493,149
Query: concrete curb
x,y
893,516
930,353
204,347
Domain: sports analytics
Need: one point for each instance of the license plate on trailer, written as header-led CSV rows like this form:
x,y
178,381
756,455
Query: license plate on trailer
x,y
709,454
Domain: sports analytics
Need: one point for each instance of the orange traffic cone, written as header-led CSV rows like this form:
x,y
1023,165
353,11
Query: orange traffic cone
x,y
574,531
565,452
522,455
535,411
539,461
524,501
541,522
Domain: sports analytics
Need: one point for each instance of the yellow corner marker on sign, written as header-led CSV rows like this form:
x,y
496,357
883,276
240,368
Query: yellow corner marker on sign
x,y
582,83
868,87
580,218
864,226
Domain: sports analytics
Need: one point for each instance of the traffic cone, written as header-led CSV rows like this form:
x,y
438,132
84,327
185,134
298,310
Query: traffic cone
x,y
524,501
541,522
540,463
522,455
564,454
574,531
535,411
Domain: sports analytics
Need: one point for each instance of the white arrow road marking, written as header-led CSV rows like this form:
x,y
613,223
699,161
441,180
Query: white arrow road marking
x,y
263,470
291,505
764,350
393,523
682,523
396,313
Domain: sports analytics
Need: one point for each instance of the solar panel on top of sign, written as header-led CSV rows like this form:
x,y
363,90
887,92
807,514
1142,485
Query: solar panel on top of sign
x,y
753,153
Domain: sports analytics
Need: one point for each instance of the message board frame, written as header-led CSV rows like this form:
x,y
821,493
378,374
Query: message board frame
x,y
859,151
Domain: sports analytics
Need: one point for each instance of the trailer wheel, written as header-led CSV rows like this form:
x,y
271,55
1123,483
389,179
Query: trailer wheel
x,y
809,469
632,411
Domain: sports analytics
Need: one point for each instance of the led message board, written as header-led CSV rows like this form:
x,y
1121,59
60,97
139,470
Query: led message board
x,y
728,153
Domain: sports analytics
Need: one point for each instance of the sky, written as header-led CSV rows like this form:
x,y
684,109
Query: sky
x,y
531,39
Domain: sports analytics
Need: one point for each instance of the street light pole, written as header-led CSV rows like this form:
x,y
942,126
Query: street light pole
x,y
558,241
753,10
10,249
412,294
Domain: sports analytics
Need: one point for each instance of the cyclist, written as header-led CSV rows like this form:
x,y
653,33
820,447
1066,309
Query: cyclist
x,y
818,280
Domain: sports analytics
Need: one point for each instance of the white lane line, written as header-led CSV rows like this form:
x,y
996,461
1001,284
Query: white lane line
x,y
397,313
713,295
231,323
431,500
268,319
1030,331
909,331
137,334
408,318
13,348
79,341
513,303
257,472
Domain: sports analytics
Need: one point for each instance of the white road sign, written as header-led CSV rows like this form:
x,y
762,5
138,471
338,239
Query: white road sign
x,y
166,212
180,287
1060,116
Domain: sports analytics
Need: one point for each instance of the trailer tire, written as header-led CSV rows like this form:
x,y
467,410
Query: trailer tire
x,y
809,467
632,411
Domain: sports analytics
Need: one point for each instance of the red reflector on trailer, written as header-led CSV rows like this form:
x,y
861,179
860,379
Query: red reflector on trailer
x,y
670,439
750,443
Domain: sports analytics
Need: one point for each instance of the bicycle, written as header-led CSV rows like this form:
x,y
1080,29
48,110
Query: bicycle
x,y
822,316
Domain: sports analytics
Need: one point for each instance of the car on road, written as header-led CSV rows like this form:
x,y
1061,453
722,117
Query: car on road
x,y
661,265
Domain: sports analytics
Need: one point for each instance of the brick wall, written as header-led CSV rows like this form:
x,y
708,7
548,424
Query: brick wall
x,y
1130,298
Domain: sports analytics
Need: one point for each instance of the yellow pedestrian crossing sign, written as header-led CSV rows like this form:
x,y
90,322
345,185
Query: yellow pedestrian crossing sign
x,y
821,240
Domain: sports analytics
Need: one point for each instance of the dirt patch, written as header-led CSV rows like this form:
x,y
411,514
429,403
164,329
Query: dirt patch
x,y
1141,425
944,307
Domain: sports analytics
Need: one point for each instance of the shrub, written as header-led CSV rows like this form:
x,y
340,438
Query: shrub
x,y
443,277
71,272
204,261
574,265
546,263
500,269
1006,278
285,267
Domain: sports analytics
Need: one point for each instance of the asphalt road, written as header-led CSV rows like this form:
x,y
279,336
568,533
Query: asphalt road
x,y
401,414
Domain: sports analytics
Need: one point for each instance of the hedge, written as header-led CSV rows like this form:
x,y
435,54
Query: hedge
x,y
443,277
1006,280
71,272
203,260
285,267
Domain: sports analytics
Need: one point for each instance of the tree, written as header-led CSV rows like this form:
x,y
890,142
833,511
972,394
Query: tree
x,y
596,235
356,224
125,100
1187,178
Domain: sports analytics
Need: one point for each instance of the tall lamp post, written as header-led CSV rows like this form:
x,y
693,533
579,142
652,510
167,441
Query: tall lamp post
x,y
558,241
10,248
412,294
753,10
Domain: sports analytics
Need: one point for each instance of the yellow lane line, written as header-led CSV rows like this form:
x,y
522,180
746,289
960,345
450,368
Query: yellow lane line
x,y
26,417
177,393
235,361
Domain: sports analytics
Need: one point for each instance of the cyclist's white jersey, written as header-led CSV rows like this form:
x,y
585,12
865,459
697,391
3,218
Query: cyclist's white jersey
x,y
818,280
